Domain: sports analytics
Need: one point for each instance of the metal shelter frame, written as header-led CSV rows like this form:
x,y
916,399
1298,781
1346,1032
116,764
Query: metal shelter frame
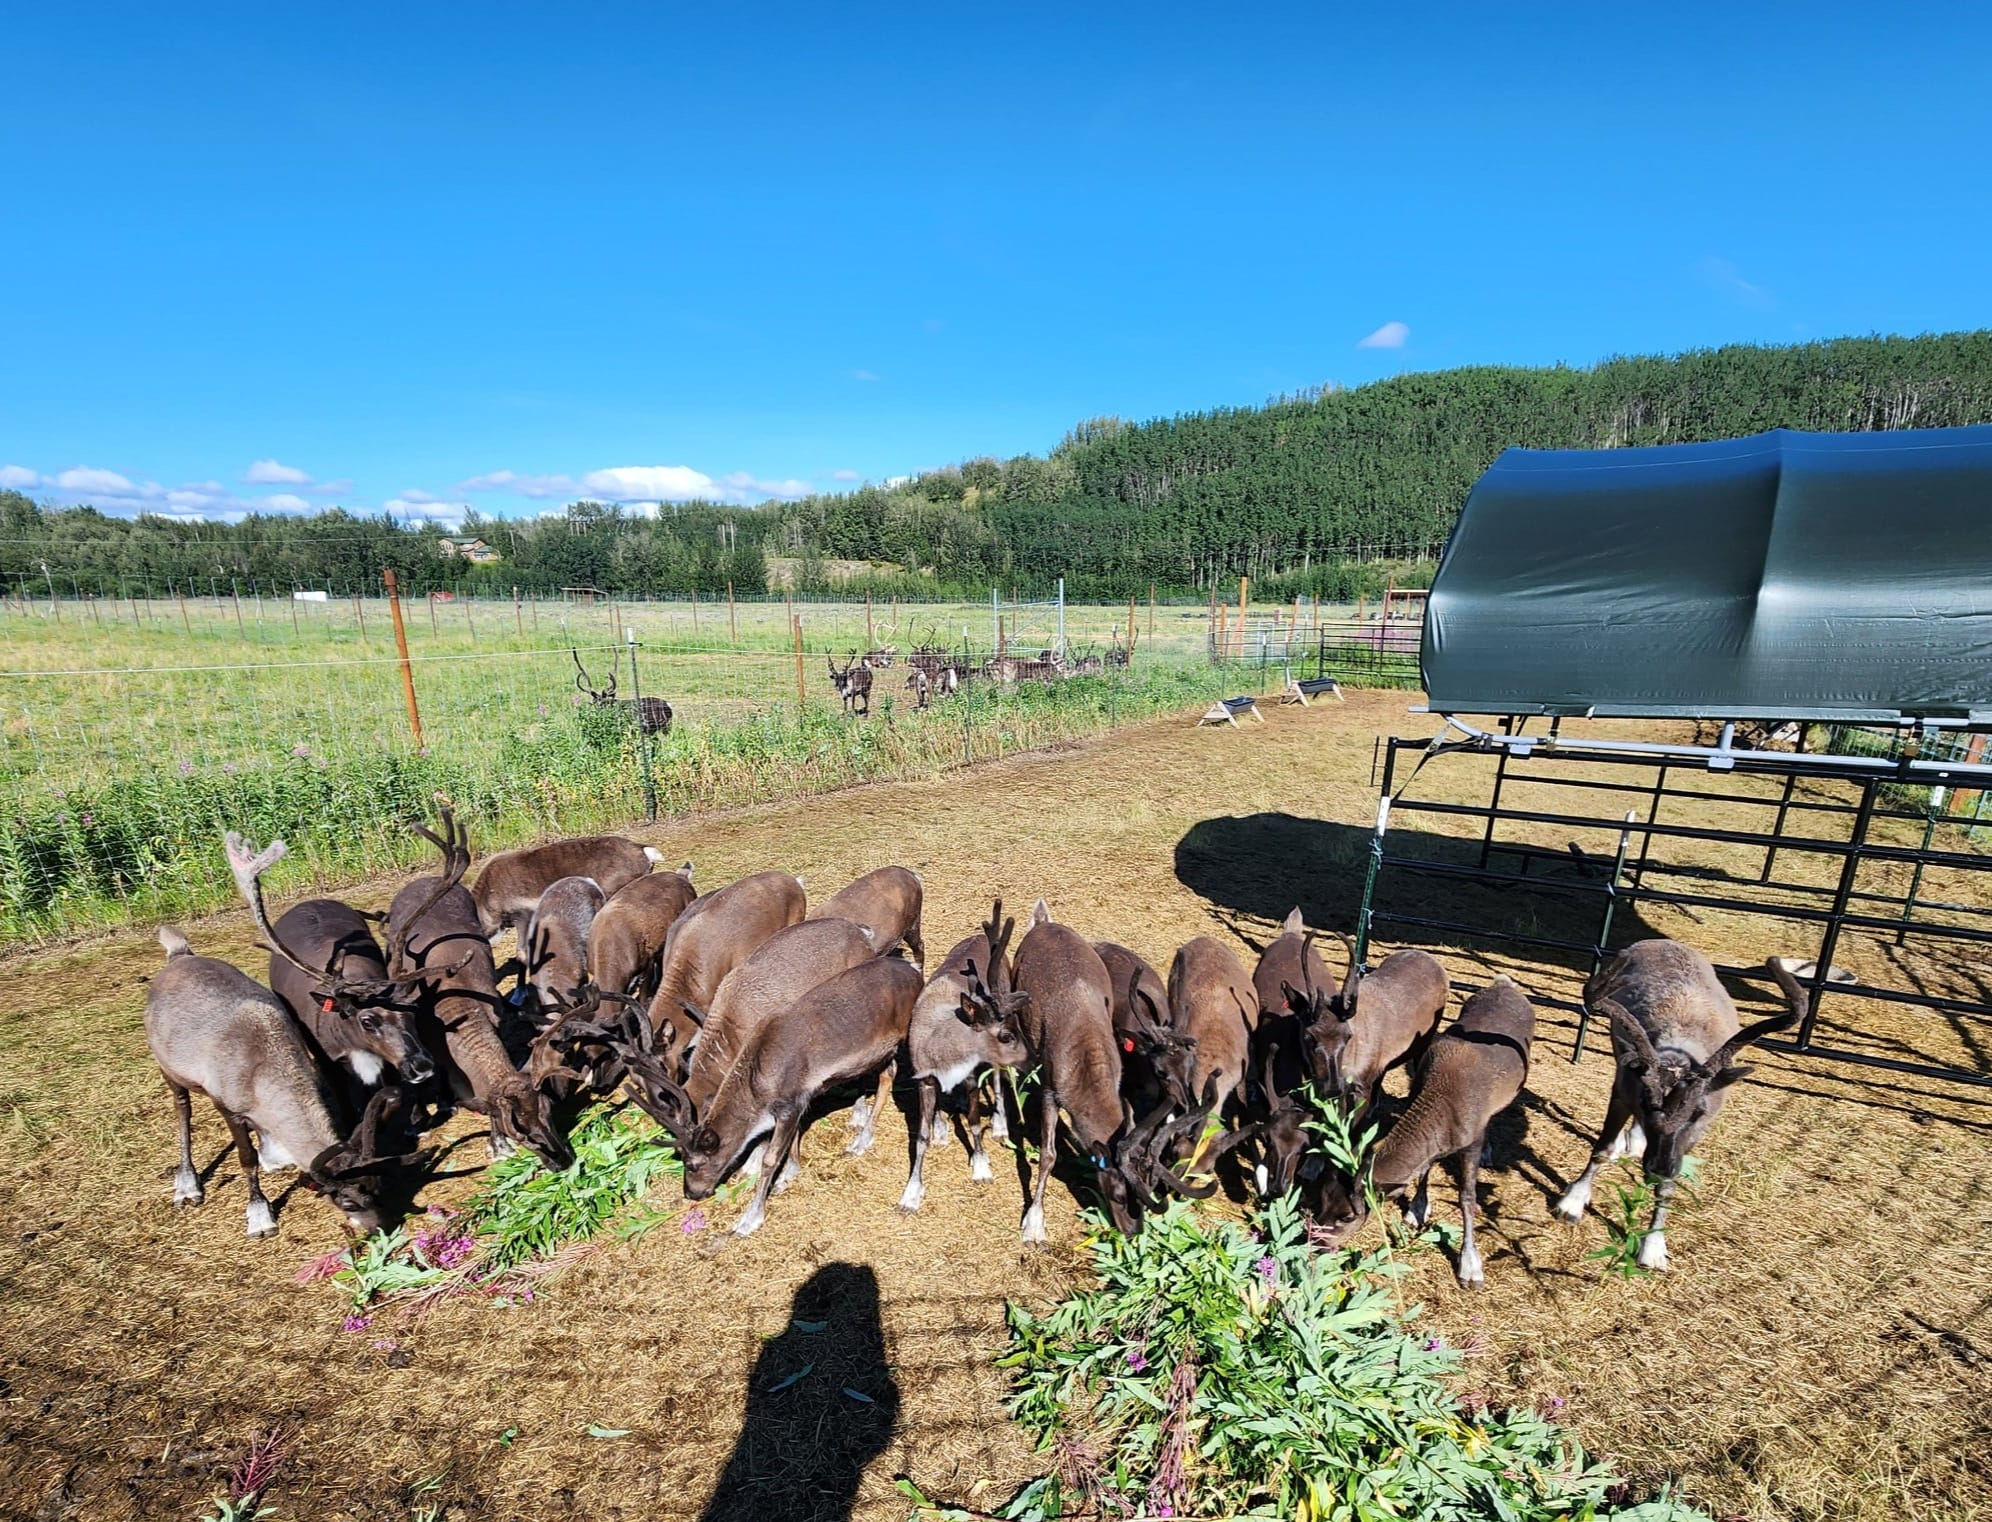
x,y
1646,779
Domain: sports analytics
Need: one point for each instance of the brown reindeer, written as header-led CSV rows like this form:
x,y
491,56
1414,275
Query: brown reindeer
x,y
887,902
1378,1021
711,938
512,881
843,1031
651,715
627,939
853,684
554,947
355,1013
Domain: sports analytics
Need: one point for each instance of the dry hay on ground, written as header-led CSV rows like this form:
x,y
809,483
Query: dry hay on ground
x,y
1823,1349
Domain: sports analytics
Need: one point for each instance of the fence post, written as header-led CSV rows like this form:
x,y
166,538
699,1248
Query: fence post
x,y
235,592
401,647
360,614
1244,595
732,623
433,629
295,632
1151,612
1130,633
181,597
995,619
642,731
871,641
1061,618
695,615
468,622
518,615
801,697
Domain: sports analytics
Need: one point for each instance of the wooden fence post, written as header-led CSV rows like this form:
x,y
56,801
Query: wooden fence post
x,y
801,696
732,623
401,647
518,615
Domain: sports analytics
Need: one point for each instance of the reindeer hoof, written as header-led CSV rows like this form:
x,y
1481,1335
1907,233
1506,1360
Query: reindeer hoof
x,y
1574,1203
261,1222
979,1170
1653,1252
187,1189
1033,1233
860,1112
858,1145
914,1197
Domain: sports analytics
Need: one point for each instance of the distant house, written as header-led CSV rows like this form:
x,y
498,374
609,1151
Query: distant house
x,y
476,551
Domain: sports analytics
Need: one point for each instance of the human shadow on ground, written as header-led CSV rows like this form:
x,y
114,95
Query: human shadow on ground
x,y
821,1406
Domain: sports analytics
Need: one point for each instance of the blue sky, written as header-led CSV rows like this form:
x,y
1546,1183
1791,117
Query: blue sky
x,y
288,255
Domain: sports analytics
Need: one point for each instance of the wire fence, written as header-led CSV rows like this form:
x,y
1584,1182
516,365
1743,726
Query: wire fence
x,y
134,731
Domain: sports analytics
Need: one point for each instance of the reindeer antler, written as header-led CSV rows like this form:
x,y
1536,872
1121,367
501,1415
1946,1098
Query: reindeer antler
x,y
248,866
454,843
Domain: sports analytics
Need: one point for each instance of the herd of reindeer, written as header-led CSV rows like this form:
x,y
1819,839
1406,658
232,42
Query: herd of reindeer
x,y
730,1017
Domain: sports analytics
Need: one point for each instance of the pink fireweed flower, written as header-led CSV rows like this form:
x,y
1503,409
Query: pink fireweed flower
x,y
300,750
695,1220
1268,1271
356,1323
1137,1360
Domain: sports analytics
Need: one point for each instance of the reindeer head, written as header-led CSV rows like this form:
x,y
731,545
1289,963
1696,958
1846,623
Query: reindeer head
x,y
1139,1170
1327,1018
1171,1053
603,695
1675,1097
997,1017
1283,1134
348,1172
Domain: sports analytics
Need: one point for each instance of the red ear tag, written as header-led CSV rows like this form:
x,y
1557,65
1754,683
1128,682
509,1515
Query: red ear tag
x,y
328,1006
1127,1043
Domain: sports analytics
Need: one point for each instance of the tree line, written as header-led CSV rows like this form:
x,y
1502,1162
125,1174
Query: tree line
x,y
1328,492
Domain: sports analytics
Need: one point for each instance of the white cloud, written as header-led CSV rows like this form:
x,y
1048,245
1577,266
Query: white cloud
x,y
287,502
740,486
647,483
524,486
845,475
863,375
339,488
1723,275
272,473
87,478
19,477
1392,335
414,494
420,507
892,481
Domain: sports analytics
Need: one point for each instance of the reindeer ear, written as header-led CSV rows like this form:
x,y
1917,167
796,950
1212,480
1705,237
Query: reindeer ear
x,y
1728,1076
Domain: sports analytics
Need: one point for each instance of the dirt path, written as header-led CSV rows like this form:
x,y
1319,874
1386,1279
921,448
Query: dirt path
x,y
1824,1348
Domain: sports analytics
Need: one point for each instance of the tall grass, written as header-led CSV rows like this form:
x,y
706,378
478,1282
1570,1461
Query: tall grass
x,y
143,843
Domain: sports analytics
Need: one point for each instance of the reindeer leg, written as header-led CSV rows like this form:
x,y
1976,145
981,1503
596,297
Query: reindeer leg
x,y
1471,1274
262,1223
1419,1211
1653,1248
860,1144
791,1168
918,947
923,1129
780,1142
1033,1230
1577,1198
186,1183
1002,1080
978,1131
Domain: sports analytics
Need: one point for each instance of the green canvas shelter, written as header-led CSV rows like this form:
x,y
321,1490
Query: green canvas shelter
x,y
1826,576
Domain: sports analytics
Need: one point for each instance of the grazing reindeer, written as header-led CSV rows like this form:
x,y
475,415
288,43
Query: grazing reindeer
x,y
512,881
1471,1074
1212,1003
1088,664
960,1026
357,1014
711,938
1676,1036
1117,653
627,938
921,685
652,715
766,987
887,902
214,1030
881,659
555,946
853,684
1379,1021
842,1031
1157,1062
435,939
1069,1025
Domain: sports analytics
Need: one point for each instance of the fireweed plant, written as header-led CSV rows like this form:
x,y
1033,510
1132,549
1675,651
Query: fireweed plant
x,y
1225,1368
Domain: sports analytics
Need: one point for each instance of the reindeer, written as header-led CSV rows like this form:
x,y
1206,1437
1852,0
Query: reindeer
x,y
1068,1024
1471,1074
960,1026
512,881
921,686
842,1031
765,986
627,939
1117,653
1676,1037
652,715
1088,664
882,658
1212,1003
554,948
715,935
435,940
887,902
1378,1021
1158,1063
216,1031
352,1009
853,684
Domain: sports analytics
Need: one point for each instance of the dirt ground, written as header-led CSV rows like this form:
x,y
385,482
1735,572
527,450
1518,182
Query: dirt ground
x,y
1822,1349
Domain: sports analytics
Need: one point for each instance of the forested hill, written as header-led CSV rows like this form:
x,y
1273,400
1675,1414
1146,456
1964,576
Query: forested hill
x,y
1327,492
1377,471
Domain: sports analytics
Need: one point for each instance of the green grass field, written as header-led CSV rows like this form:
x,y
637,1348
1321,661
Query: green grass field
x,y
132,734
